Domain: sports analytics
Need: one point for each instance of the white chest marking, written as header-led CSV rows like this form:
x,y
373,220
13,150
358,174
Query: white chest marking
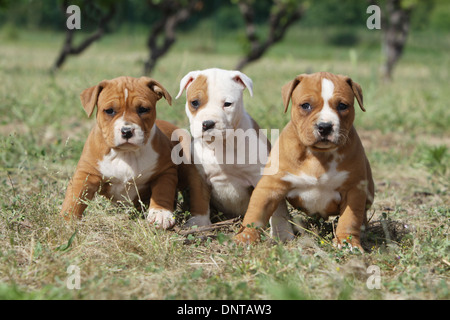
x,y
317,192
229,183
128,172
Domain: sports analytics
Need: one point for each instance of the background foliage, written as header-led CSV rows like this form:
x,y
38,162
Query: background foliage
x,y
37,14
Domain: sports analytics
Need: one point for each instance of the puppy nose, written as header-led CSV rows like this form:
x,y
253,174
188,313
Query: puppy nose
x,y
208,124
324,128
127,132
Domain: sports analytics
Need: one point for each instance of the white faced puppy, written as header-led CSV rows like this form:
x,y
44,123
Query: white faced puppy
x,y
228,144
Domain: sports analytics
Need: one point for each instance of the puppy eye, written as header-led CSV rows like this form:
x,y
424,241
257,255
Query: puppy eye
x,y
342,106
227,104
110,111
306,106
142,110
195,104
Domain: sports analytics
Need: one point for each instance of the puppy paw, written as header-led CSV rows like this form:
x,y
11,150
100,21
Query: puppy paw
x,y
161,218
349,243
198,221
247,236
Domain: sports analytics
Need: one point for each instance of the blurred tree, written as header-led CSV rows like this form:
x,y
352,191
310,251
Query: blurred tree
x,y
396,30
283,13
162,35
103,10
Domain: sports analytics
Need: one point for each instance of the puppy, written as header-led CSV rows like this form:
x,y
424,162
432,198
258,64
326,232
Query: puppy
x,y
323,168
227,143
126,156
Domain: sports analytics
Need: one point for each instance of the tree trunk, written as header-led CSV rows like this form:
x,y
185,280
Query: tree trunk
x,y
173,14
395,34
68,46
281,18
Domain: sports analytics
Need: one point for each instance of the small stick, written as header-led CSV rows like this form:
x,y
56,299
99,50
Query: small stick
x,y
212,227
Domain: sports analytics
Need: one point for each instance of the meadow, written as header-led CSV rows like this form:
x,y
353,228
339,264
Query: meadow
x,y
43,127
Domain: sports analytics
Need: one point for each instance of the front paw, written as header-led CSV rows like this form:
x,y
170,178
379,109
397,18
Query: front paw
x,y
247,236
161,218
347,242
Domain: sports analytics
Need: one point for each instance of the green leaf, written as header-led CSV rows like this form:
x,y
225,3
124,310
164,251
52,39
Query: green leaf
x,y
65,247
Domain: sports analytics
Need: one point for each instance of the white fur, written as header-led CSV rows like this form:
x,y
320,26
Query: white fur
x,y
221,88
138,135
327,90
125,92
317,193
161,218
128,171
327,114
230,182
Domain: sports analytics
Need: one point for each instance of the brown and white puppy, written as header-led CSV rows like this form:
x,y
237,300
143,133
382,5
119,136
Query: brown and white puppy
x,y
126,156
227,143
323,168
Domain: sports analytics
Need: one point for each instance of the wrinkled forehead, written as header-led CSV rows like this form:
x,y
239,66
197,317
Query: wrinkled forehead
x,y
309,85
328,85
125,90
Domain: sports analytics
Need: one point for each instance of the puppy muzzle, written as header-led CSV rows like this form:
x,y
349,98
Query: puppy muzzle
x,y
324,129
127,132
207,125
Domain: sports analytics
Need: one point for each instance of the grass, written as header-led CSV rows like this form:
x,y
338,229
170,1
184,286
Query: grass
x,y
43,129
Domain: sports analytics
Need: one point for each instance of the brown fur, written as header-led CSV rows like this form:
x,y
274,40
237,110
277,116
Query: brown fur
x,y
87,179
298,155
198,90
188,175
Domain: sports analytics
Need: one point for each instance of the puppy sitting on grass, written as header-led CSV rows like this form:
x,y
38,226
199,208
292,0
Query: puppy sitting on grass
x,y
126,155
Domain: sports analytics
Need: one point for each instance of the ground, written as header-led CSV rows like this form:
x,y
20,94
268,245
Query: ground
x,y
43,128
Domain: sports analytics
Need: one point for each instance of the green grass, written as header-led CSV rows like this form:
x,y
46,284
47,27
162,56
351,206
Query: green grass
x,y
43,128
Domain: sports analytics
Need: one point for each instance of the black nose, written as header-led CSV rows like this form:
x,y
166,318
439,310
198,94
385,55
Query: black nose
x,y
208,124
127,132
324,128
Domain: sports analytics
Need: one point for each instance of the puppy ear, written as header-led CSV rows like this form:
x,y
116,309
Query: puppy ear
x,y
187,79
357,91
157,88
243,79
288,88
89,97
